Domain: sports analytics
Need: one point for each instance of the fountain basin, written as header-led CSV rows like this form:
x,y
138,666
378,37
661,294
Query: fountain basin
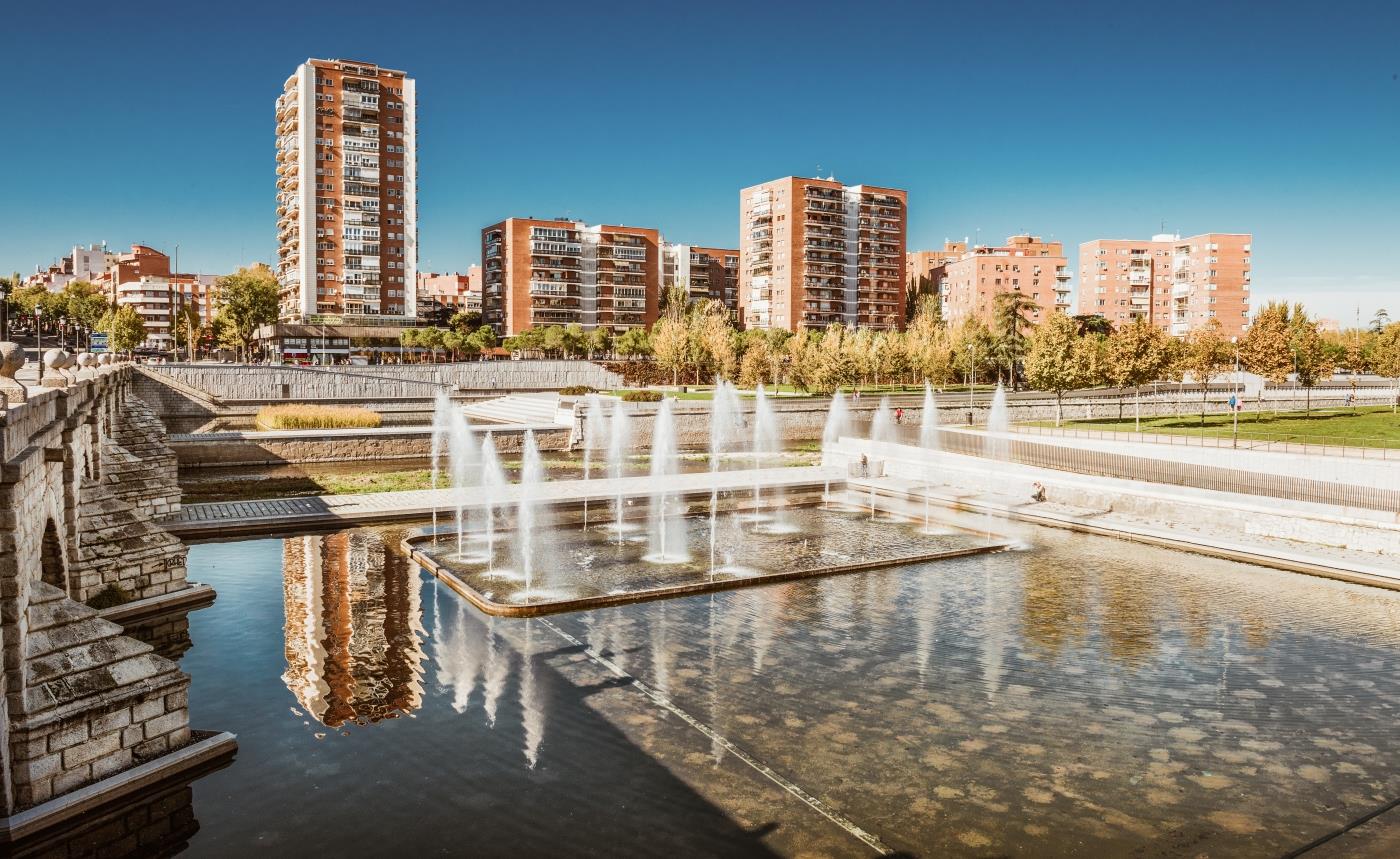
x,y
589,569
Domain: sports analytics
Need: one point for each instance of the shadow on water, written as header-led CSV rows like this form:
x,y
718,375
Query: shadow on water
x,y
372,720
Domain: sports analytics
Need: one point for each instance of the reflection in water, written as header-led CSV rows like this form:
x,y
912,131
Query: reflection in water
x,y
353,627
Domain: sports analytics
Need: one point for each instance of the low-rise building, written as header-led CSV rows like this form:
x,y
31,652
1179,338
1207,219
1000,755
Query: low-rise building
x,y
706,273
453,293
161,301
970,280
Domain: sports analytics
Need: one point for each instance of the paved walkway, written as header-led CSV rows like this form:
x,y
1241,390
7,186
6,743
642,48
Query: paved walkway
x,y
283,514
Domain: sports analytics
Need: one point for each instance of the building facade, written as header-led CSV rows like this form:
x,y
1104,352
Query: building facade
x,y
923,270
969,280
83,263
161,301
1175,283
560,272
453,293
347,176
706,273
815,251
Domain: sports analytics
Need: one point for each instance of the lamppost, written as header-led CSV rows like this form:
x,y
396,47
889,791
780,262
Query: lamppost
x,y
39,341
971,377
5,287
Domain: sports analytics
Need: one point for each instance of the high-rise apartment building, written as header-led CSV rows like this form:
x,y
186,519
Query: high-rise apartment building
x,y
347,179
970,280
558,272
706,273
814,251
1175,283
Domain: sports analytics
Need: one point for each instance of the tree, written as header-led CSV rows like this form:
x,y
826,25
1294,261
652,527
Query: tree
x,y
248,298
1313,360
715,339
83,304
1010,324
575,340
833,361
1385,358
464,322
124,327
432,340
971,348
1052,360
670,344
1092,323
1137,354
926,344
600,342
1380,321
754,370
185,328
1207,355
633,343
408,340
484,338
1264,350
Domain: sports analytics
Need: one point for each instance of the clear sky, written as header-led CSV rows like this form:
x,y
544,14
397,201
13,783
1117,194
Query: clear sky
x,y
153,122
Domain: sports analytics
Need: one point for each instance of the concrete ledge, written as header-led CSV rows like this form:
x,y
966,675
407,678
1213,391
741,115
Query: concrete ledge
x,y
195,596
1314,565
115,787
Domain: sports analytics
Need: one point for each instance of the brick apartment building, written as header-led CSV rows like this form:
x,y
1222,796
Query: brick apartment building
x,y
815,251
707,273
1175,283
451,293
558,272
969,280
347,193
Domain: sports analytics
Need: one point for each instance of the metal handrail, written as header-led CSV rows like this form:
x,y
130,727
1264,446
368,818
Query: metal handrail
x,y
1357,447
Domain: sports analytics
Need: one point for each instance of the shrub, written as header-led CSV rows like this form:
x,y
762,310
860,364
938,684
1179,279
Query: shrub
x,y
302,416
641,396
112,595
577,390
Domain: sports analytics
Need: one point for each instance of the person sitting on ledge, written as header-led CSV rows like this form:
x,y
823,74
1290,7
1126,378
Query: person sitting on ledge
x,y
1037,492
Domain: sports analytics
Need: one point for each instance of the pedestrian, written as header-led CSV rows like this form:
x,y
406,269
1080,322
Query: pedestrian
x,y
898,416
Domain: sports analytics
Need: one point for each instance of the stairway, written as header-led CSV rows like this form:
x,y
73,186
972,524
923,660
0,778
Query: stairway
x,y
522,409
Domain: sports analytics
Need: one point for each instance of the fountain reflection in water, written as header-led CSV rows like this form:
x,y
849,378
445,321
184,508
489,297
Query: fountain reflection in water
x,y
666,531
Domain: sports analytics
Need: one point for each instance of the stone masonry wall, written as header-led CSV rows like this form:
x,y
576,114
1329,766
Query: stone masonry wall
x,y
140,467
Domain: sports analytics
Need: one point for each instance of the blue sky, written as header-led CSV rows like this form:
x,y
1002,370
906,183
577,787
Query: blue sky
x,y
153,122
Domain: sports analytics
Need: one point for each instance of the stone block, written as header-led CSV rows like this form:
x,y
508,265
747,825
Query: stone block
x,y
132,735
71,736
111,722
111,764
165,724
91,750
147,710
177,700
72,779
39,769
150,749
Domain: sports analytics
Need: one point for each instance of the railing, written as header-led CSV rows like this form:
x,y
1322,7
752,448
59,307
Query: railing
x,y
1161,471
1356,447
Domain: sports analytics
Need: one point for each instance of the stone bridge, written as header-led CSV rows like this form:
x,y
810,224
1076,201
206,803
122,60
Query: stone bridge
x,y
85,476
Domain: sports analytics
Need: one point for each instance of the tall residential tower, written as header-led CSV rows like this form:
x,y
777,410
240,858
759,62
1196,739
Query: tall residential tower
x,y
347,179
814,251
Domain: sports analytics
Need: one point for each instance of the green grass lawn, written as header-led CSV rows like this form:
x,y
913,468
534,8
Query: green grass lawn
x,y
1374,426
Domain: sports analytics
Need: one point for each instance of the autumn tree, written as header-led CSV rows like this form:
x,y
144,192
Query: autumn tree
x,y
124,327
1051,362
670,345
1264,350
1208,354
1313,359
1137,354
1385,357
971,348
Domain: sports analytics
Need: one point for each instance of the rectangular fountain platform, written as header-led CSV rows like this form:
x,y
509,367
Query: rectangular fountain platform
x,y
602,565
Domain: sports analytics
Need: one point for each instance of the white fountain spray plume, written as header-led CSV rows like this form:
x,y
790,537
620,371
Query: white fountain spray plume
x,y
882,427
928,440
493,481
766,446
463,465
619,439
666,534
592,438
442,405
998,443
724,415
526,512
838,423
497,672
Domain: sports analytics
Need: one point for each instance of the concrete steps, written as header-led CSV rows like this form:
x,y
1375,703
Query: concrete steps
x,y
527,409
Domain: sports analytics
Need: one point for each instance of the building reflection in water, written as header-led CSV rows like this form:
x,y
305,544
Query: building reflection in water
x,y
354,629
